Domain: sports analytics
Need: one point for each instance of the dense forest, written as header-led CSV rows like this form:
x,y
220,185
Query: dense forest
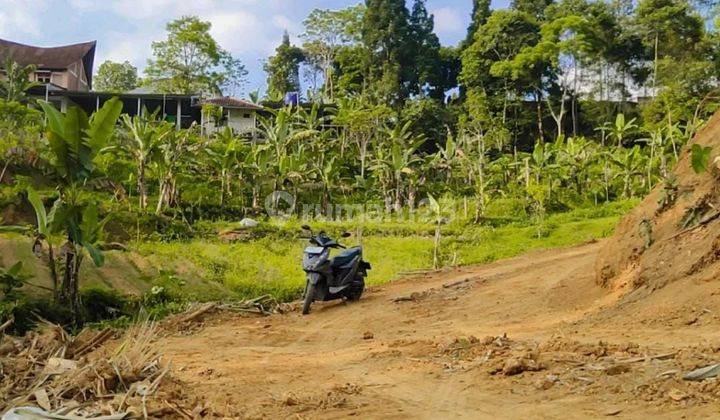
x,y
544,107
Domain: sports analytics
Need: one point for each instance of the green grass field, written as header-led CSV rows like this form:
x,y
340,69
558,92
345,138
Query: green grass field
x,y
272,264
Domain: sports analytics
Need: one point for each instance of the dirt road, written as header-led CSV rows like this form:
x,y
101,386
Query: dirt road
x,y
530,337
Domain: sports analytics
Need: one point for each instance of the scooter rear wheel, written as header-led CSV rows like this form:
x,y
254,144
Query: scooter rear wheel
x,y
309,297
356,289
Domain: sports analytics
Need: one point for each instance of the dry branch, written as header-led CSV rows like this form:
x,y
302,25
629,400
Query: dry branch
x,y
6,325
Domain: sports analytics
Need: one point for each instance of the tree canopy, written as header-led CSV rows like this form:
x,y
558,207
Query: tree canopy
x,y
189,61
115,77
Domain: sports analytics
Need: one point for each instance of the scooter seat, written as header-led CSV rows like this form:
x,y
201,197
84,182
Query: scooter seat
x,y
346,256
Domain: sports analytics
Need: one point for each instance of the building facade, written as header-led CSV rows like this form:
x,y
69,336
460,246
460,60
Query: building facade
x,y
68,67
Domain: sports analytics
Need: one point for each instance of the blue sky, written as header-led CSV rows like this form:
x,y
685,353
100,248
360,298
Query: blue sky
x,y
249,29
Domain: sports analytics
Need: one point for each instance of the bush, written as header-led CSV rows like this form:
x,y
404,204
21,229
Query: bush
x,y
103,304
26,310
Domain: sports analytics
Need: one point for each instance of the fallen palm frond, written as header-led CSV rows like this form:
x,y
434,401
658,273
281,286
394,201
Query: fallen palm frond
x,y
57,373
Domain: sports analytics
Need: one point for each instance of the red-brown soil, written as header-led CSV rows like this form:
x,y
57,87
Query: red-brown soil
x,y
530,337
684,233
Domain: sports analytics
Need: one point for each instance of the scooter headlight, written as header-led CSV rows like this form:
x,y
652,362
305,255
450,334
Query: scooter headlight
x,y
313,259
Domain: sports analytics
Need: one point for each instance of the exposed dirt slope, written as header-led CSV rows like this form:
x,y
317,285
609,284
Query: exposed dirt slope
x,y
662,241
534,336
128,272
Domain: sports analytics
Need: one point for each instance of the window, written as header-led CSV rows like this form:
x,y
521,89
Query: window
x,y
43,77
247,115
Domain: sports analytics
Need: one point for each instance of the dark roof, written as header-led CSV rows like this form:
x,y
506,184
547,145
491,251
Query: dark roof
x,y
53,58
227,102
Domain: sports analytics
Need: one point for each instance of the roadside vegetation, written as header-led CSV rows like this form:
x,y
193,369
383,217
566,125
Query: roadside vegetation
x,y
433,156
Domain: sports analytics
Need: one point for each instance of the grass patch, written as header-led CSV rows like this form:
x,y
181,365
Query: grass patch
x,y
271,265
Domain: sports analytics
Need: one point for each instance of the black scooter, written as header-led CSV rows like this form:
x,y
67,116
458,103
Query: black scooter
x,y
328,279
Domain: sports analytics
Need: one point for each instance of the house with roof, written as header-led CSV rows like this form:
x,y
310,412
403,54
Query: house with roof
x,y
68,67
237,114
65,75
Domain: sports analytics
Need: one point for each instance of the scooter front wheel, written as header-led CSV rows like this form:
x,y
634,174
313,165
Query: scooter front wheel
x,y
309,297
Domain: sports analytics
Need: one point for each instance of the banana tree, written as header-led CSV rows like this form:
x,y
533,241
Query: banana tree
x,y
278,131
437,212
448,156
42,233
260,166
175,146
575,155
225,159
16,81
656,143
292,170
330,177
629,165
475,161
144,135
622,128
400,159
75,141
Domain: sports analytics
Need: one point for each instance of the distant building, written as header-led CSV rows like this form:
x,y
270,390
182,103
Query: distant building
x,y
237,114
69,67
65,78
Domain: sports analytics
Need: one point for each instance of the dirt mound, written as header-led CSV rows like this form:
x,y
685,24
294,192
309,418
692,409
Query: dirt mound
x,y
675,232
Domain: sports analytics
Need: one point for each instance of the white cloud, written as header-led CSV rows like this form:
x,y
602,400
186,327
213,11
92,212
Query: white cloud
x,y
239,32
17,18
284,23
133,47
448,21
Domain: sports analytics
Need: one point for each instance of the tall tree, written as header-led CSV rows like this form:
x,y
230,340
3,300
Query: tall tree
x,y
480,14
283,69
426,47
189,61
535,8
385,33
351,72
326,31
116,77
669,28
490,90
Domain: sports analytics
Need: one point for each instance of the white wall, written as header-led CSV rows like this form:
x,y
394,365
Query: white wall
x,y
241,120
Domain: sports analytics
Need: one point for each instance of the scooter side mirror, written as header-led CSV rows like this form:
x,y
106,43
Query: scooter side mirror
x,y
346,234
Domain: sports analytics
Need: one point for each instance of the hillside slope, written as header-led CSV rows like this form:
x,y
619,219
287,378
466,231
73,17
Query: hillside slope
x,y
128,272
656,244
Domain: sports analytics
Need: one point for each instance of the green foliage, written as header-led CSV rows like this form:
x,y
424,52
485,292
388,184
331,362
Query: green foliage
x,y
75,140
699,158
326,32
189,61
16,81
11,279
283,69
115,77
104,304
